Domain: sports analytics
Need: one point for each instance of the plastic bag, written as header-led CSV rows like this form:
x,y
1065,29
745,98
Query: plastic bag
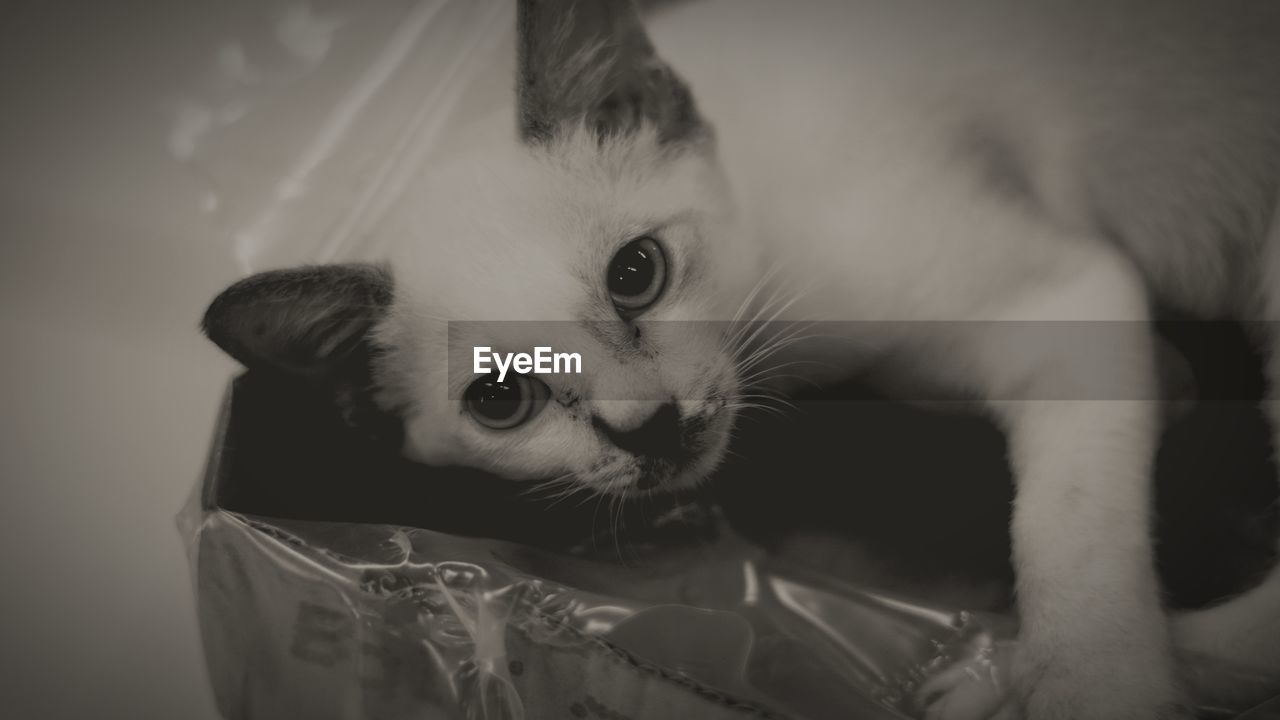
x,y
311,121
491,614
304,618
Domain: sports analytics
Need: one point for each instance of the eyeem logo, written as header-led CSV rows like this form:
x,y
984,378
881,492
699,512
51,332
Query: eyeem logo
x,y
542,362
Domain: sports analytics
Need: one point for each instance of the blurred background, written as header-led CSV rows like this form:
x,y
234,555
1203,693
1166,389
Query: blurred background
x,y
109,392
152,151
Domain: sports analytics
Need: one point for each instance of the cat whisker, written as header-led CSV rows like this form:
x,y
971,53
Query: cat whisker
x,y
760,284
786,328
741,324
543,489
763,325
760,364
780,301
735,332
774,346
760,406
600,497
776,398
762,376
562,488
617,528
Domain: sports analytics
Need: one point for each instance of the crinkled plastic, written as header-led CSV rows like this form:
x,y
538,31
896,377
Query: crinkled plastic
x,y
346,620
360,620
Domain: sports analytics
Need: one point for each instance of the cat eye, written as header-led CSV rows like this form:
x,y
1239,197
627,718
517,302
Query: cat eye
x,y
507,403
637,275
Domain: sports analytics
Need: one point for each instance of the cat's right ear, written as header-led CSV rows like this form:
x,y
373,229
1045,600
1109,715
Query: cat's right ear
x,y
313,324
309,322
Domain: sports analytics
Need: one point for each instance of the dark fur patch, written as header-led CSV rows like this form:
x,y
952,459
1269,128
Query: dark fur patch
x,y
590,62
311,324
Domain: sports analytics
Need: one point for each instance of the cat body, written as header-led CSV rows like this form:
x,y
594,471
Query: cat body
x,y
1151,127
998,161
934,181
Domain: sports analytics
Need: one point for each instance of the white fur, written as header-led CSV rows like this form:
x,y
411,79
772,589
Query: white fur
x,y
840,133
976,162
504,216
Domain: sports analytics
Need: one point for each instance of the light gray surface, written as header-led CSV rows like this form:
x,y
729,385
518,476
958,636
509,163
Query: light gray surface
x,y
108,392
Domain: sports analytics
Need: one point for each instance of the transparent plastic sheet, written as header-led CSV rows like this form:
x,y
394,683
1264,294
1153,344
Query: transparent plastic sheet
x,y
311,119
303,133
369,621
345,620
362,620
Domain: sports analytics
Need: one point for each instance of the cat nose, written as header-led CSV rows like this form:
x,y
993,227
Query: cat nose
x,y
657,435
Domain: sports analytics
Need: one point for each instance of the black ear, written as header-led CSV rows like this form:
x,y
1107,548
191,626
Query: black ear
x,y
307,322
590,61
311,324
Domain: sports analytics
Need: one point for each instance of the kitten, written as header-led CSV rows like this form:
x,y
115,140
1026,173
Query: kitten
x,y
876,164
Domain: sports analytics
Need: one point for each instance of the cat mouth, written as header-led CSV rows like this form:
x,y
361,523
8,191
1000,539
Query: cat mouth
x,y
704,440
654,470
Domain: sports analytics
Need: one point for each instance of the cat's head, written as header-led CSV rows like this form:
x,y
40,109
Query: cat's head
x,y
598,223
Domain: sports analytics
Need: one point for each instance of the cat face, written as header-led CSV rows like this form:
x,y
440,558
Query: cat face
x,y
619,249
598,223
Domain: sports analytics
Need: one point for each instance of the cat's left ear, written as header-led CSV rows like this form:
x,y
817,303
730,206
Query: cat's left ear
x,y
590,61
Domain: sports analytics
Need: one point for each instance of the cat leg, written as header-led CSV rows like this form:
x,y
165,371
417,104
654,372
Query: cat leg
x,y
1232,650
1082,428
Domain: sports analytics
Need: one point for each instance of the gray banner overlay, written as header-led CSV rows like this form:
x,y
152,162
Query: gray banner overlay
x,y
1174,361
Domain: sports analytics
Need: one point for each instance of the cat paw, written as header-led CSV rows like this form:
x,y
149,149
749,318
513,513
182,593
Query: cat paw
x,y
1018,682
1080,686
972,688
